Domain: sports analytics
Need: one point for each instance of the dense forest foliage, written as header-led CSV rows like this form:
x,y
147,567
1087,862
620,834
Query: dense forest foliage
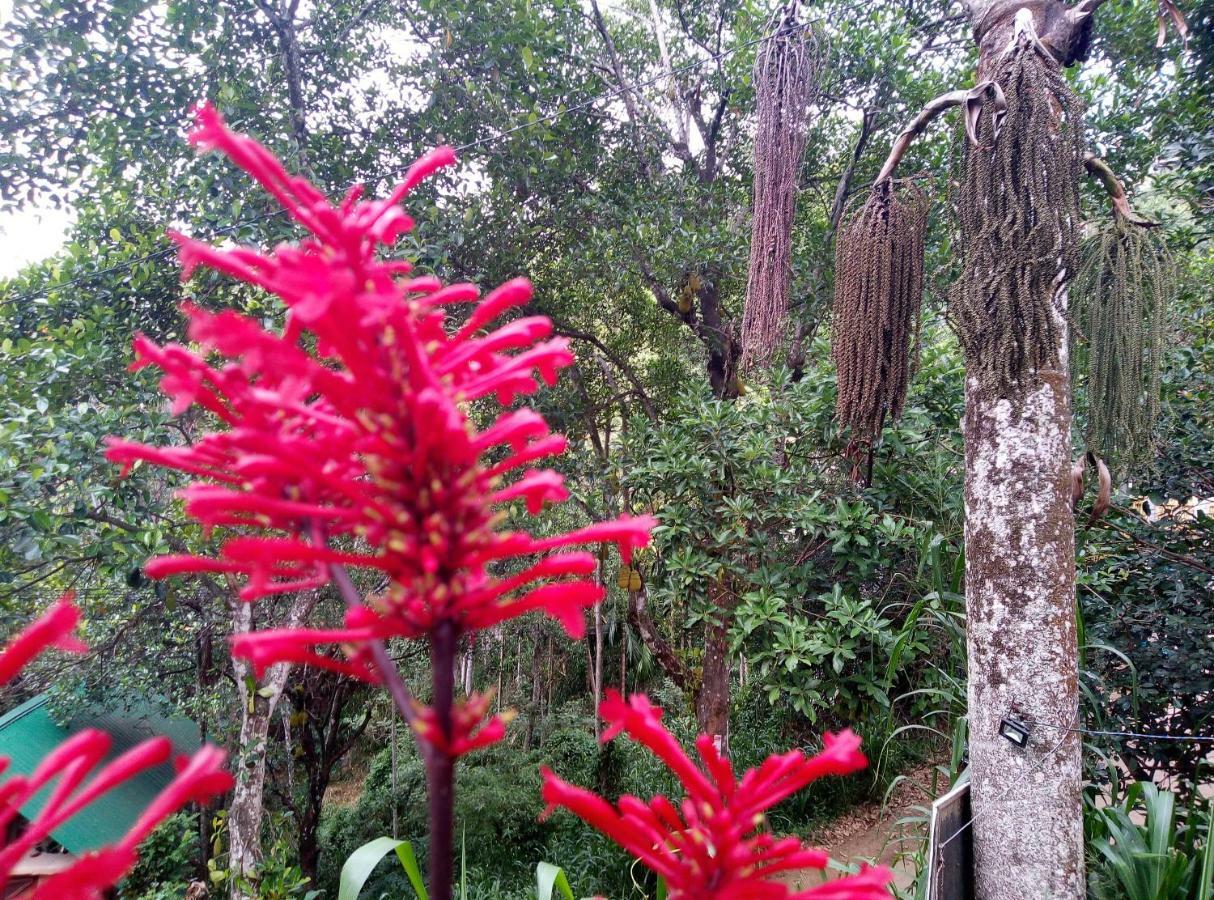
x,y
605,152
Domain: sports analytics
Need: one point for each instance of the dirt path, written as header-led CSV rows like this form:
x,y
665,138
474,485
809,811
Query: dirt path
x,y
870,834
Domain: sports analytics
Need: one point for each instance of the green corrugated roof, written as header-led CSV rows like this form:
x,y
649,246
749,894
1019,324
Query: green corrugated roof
x,y
29,733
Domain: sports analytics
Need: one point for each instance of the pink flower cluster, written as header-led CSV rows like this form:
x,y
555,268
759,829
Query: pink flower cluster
x,y
72,777
348,439
712,846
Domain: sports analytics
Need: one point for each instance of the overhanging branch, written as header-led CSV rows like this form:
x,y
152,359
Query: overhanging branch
x,y
972,101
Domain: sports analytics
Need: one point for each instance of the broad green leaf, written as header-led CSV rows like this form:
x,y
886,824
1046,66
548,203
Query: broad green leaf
x,y
548,877
362,862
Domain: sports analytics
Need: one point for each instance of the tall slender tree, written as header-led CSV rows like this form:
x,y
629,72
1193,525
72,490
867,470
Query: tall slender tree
x,y
1016,203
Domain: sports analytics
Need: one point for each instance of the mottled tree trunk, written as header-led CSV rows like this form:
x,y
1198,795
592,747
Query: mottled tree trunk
x,y
1020,604
1020,598
246,812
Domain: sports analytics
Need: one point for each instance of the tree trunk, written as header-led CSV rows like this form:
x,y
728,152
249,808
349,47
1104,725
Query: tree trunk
x,y
712,700
533,710
245,811
1020,605
597,672
310,813
256,712
1021,639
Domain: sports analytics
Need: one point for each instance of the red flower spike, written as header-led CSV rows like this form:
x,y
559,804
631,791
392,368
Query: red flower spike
x,y
472,727
710,847
72,780
366,442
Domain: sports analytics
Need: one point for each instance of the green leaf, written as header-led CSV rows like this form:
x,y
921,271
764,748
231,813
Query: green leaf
x,y
1206,884
362,862
547,877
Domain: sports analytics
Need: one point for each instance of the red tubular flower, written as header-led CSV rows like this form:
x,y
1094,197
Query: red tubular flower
x,y
472,726
709,847
72,780
54,629
366,443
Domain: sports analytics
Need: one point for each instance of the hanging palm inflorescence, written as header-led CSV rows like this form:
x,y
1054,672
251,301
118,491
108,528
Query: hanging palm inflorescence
x,y
878,288
787,69
1017,209
879,278
1121,295
1016,205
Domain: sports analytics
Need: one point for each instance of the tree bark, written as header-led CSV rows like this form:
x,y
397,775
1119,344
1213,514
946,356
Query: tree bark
x,y
712,696
245,814
597,670
712,699
324,739
1021,641
245,811
1020,601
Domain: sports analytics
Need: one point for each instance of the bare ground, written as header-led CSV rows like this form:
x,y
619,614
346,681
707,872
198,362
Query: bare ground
x,y
871,833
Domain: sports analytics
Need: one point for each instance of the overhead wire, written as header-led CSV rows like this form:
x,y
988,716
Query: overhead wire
x,y
1126,735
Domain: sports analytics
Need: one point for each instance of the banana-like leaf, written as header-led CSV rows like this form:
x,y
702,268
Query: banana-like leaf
x,y
362,862
548,878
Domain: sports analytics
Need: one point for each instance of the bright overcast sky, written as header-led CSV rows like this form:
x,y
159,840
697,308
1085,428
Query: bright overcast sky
x,y
31,234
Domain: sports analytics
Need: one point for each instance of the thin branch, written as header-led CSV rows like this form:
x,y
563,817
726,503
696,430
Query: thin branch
x,y
629,94
682,109
843,189
1181,558
629,373
397,689
356,20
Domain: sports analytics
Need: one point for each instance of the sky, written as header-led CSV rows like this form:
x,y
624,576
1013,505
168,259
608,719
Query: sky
x,y
30,234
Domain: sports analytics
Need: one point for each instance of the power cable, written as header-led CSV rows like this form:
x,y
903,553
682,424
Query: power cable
x,y
1126,735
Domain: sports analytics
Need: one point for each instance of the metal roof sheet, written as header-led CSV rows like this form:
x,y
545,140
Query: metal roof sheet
x,y
29,732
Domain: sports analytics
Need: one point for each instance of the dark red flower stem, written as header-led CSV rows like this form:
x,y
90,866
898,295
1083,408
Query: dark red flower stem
x,y
440,767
